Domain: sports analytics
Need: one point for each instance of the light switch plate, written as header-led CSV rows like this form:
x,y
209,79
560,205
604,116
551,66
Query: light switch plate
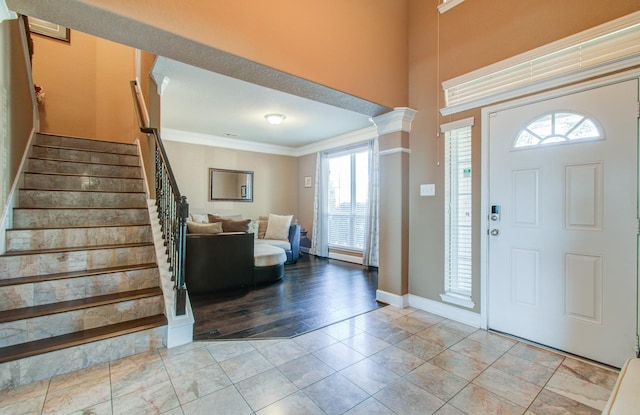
x,y
427,190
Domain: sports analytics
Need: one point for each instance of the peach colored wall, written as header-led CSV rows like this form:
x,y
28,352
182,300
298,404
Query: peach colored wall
x,y
472,35
86,82
355,46
16,106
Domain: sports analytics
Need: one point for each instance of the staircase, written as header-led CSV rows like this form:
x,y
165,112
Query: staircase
x,y
79,284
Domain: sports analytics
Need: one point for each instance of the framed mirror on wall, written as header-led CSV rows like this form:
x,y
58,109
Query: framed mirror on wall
x,y
230,185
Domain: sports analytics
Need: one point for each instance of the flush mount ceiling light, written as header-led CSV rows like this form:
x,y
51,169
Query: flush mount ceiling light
x,y
275,119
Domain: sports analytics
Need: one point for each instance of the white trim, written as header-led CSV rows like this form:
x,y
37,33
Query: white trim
x,y
170,134
444,310
484,184
179,328
355,137
448,5
345,258
454,125
462,301
144,171
400,301
556,50
394,151
5,13
399,119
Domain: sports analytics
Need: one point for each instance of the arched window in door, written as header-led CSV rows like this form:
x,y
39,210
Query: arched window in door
x,y
559,127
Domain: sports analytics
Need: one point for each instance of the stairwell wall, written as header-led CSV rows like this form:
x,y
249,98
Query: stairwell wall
x,y
86,82
17,118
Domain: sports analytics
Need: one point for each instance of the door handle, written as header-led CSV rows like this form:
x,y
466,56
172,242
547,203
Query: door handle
x,y
495,232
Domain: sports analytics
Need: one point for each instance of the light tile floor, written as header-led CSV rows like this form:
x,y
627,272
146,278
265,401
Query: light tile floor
x,y
388,361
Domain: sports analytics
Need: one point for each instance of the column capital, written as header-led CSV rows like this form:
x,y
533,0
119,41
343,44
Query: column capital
x,y
394,121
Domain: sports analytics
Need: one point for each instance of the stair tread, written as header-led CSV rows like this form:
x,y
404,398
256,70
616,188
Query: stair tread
x,y
75,249
88,150
83,162
83,191
74,274
20,351
64,306
92,140
99,176
76,227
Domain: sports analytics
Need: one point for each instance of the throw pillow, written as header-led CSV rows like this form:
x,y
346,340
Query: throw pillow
x,y
198,218
229,225
195,227
253,228
278,227
262,226
235,225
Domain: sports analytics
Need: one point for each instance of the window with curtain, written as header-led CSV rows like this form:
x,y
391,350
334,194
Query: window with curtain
x,y
458,214
348,199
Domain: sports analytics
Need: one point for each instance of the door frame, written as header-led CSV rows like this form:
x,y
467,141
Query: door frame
x,y
484,188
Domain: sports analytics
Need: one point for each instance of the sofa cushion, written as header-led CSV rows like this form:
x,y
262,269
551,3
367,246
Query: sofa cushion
x,y
230,225
286,245
196,227
198,218
278,227
267,255
262,226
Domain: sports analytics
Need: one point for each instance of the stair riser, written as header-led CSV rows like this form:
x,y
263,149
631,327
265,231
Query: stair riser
x,y
47,292
70,167
25,240
64,182
84,144
62,199
84,156
78,320
51,263
59,218
31,369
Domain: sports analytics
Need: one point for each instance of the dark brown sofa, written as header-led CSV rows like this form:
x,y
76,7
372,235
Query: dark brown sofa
x,y
219,262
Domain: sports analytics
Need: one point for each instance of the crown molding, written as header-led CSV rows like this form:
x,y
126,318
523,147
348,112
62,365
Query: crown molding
x,y
399,119
343,140
448,5
181,136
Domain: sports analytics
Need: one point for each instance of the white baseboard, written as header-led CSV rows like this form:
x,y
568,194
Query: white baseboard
x,y
392,299
445,310
346,258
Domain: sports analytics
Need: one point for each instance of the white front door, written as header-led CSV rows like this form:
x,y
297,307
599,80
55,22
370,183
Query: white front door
x,y
563,248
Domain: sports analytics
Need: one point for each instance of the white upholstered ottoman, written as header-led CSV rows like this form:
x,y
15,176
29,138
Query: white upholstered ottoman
x,y
625,397
268,263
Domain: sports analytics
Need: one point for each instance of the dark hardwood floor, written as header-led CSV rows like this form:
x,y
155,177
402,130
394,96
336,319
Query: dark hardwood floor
x,y
314,293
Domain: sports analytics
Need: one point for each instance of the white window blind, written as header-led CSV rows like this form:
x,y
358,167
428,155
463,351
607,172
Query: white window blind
x,y
458,215
603,49
348,203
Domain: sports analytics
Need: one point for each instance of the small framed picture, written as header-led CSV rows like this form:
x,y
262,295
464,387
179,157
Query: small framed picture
x,y
307,181
42,27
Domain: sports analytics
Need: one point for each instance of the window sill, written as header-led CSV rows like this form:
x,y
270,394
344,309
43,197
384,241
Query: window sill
x,y
450,4
457,299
